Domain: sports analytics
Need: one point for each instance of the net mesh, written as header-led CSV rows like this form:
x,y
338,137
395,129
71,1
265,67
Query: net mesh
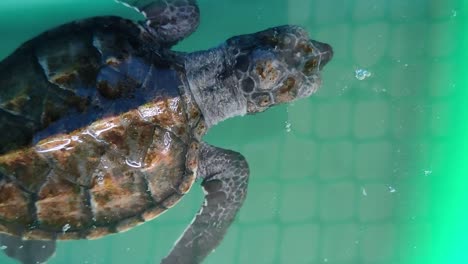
x,y
342,177
347,179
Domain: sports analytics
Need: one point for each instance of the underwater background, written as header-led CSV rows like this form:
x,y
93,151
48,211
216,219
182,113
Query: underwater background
x,y
364,171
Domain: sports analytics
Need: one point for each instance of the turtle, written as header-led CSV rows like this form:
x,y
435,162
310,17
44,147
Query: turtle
x,y
103,125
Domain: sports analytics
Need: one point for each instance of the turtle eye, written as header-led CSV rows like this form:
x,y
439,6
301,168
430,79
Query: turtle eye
x,y
247,85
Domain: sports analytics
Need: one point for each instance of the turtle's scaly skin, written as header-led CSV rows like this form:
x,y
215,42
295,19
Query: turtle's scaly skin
x,y
117,133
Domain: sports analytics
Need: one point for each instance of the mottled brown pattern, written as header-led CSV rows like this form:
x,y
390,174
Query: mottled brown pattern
x,y
129,223
64,59
164,165
138,136
266,70
112,174
74,158
110,131
187,183
287,91
168,114
129,136
14,204
152,213
118,194
69,235
192,110
97,232
61,203
191,161
135,165
200,130
27,166
171,200
310,66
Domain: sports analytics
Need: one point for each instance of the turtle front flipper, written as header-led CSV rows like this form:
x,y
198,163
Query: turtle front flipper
x,y
168,20
225,175
27,251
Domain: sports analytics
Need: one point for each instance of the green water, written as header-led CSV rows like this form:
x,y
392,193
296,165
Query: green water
x,y
365,171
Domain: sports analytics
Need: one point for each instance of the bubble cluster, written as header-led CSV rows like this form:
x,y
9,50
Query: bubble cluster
x,y
362,74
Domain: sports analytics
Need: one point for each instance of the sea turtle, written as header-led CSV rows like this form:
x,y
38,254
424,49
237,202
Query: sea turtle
x,y
102,125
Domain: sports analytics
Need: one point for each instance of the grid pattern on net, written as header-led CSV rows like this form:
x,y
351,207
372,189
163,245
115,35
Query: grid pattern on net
x,y
346,184
350,183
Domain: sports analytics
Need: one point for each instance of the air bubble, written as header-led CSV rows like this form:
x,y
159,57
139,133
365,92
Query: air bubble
x,y
364,192
362,74
288,126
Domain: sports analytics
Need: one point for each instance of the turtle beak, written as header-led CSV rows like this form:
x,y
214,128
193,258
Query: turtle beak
x,y
325,52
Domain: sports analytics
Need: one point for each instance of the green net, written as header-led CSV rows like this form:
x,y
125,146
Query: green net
x,y
343,177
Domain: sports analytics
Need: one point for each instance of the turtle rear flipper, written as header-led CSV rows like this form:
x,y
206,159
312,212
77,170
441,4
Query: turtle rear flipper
x,y
225,176
168,20
27,251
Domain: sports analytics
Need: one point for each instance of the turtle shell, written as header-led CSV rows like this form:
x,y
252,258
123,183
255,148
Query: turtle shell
x,y
102,132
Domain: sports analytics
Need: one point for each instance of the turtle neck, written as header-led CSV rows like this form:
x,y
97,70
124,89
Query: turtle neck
x,y
214,85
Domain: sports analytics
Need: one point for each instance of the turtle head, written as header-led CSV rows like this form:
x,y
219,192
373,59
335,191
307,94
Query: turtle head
x,y
277,65
250,73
